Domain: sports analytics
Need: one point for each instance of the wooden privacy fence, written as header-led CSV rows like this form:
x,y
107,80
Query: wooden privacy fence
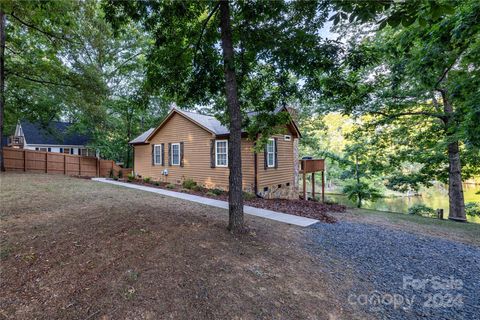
x,y
52,162
107,165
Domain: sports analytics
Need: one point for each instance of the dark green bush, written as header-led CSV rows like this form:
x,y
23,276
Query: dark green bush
x,y
189,184
216,191
170,186
248,195
111,173
422,210
197,188
147,179
131,177
472,209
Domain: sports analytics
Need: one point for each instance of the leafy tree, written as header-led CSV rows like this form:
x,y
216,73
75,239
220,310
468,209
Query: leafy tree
x,y
243,55
361,165
419,70
63,62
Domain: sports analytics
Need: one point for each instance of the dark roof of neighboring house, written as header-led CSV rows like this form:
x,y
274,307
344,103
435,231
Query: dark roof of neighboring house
x,y
210,123
55,133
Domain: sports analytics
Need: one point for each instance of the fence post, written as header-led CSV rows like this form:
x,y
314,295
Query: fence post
x,y
46,162
313,186
79,166
323,185
98,167
64,164
24,160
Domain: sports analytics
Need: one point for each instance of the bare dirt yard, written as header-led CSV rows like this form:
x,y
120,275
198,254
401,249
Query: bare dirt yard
x,y
75,249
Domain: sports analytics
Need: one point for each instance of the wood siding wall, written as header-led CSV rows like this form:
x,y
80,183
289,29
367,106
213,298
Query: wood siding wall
x,y
284,173
197,159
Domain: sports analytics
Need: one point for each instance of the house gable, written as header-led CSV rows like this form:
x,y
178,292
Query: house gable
x,y
175,113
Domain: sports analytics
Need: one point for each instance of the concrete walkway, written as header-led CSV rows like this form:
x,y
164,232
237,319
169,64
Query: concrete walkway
x,y
263,213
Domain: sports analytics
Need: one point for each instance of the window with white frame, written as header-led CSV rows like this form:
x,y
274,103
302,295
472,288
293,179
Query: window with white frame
x,y
221,153
271,153
175,154
157,154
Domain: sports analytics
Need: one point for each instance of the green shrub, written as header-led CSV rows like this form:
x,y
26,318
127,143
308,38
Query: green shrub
x,y
422,210
120,174
170,186
248,195
472,209
330,202
115,178
216,191
111,173
189,184
131,177
197,188
211,194
156,183
147,179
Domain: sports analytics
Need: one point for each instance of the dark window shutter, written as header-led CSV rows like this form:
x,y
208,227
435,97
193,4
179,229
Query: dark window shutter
x,y
181,154
153,154
276,153
169,154
265,156
212,153
163,154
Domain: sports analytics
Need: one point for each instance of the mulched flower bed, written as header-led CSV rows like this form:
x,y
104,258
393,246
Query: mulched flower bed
x,y
309,209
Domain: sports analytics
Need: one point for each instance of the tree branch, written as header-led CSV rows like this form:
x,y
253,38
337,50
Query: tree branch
x,y
41,80
124,63
412,113
46,33
447,69
204,27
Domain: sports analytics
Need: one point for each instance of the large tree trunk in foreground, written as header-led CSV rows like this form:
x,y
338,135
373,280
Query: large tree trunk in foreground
x,y
455,187
235,196
2,85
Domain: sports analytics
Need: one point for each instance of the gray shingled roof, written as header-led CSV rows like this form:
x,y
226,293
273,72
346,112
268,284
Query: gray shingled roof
x,y
208,122
141,138
55,133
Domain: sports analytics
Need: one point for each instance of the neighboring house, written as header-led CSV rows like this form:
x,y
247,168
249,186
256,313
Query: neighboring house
x,y
189,145
56,137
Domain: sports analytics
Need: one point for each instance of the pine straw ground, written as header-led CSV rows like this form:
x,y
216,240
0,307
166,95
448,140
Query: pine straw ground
x,y
309,209
77,249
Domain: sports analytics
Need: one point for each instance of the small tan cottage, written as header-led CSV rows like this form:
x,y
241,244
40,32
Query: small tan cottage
x,y
188,145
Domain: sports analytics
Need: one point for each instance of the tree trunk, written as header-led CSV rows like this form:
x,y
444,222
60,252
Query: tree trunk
x,y
357,175
2,85
235,196
455,187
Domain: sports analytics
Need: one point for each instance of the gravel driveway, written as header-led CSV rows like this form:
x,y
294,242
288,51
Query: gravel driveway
x,y
399,275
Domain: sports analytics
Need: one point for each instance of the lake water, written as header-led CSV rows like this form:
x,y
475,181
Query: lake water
x,y
435,197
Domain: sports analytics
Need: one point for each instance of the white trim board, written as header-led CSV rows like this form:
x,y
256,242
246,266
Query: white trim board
x,y
262,213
